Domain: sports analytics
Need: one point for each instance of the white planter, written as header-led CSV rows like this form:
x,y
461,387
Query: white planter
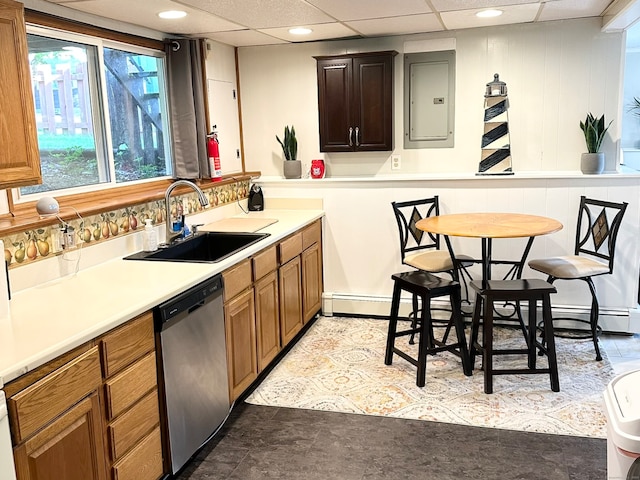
x,y
592,163
292,168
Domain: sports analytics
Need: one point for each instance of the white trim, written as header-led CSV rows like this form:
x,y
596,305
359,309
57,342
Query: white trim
x,y
611,320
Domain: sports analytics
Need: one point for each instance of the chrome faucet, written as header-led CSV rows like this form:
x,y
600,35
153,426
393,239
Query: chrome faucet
x,y
172,234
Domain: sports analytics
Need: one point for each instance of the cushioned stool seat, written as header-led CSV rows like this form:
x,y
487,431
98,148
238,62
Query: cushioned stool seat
x,y
596,234
426,286
519,290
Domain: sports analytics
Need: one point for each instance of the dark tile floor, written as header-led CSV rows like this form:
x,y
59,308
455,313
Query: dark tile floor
x,y
260,442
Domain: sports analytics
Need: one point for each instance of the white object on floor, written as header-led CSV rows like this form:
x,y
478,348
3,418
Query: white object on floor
x,y
622,402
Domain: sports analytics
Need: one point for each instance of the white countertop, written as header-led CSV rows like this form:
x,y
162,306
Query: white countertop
x,y
50,319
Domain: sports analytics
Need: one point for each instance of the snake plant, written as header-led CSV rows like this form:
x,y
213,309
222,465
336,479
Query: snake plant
x,y
594,131
290,144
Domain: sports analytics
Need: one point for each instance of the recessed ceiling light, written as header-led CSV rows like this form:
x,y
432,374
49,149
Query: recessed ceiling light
x,y
171,14
489,13
300,31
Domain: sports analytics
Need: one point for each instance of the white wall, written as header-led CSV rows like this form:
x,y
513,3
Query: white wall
x,y
556,72
361,242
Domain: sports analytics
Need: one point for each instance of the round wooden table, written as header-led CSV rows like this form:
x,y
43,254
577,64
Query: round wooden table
x,y
488,226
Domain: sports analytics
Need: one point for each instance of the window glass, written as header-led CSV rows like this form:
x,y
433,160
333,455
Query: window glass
x,y
60,78
136,115
630,138
101,112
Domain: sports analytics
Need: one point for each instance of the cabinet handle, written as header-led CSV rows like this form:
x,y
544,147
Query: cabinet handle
x,y
351,136
357,133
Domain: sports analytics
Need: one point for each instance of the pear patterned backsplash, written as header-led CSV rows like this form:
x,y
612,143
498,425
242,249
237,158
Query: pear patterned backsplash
x,y
32,245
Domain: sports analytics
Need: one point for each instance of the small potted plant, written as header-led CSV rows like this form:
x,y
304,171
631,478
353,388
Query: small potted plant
x,y
292,167
594,130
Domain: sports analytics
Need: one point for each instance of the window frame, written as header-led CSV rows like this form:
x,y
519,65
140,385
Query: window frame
x,y
23,216
99,103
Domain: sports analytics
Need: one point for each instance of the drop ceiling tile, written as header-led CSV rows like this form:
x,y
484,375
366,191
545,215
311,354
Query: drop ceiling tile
x,y
146,15
261,14
452,5
398,25
572,9
321,31
244,38
365,9
467,18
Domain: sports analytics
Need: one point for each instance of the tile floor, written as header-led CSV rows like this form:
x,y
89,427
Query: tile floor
x,y
260,442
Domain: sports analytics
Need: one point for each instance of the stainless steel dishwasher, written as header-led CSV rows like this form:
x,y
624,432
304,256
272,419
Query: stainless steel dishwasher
x,y
193,362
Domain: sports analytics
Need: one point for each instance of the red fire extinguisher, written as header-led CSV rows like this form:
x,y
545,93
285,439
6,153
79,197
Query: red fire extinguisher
x,y
213,150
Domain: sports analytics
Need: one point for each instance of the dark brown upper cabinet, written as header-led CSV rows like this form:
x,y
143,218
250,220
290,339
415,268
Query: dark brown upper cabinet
x,y
355,102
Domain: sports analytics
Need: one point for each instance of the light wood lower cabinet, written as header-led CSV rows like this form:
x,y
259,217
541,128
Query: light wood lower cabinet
x,y
311,258
240,332
93,413
144,462
311,281
131,406
56,422
268,299
267,319
70,447
290,286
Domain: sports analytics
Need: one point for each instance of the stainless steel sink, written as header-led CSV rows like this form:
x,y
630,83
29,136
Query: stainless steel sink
x,y
206,247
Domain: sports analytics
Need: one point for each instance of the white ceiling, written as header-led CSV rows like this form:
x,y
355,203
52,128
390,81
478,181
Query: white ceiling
x,y
263,22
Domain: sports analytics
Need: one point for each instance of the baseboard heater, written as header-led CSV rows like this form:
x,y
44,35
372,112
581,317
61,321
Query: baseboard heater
x,y
336,304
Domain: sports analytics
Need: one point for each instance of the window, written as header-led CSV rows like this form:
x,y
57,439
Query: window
x,y
630,138
101,112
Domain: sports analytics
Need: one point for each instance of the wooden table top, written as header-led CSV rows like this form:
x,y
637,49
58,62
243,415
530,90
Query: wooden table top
x,y
490,225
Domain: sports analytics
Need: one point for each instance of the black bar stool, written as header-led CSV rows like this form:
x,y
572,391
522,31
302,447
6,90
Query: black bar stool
x,y
518,290
426,286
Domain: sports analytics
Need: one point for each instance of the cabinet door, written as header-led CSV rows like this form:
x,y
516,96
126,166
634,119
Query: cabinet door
x,y
311,281
290,286
267,319
334,105
240,331
19,155
373,105
70,448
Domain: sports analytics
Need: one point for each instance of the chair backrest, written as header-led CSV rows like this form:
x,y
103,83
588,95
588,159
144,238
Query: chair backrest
x,y
408,214
598,225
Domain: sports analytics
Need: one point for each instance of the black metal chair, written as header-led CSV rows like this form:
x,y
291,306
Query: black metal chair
x,y
531,291
421,250
598,225
426,286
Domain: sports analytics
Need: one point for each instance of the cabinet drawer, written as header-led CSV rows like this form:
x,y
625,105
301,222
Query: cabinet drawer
x,y
128,428
130,385
236,279
144,462
46,399
311,235
290,248
124,345
264,263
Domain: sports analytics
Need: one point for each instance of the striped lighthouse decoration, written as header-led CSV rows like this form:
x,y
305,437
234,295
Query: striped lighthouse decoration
x,y
496,146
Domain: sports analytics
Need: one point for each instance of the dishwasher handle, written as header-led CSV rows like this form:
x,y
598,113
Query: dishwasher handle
x,y
189,300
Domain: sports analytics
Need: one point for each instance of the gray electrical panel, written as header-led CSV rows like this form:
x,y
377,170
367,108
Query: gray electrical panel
x,y
429,99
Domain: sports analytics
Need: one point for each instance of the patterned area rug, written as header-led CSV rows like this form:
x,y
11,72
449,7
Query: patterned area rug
x,y
339,366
